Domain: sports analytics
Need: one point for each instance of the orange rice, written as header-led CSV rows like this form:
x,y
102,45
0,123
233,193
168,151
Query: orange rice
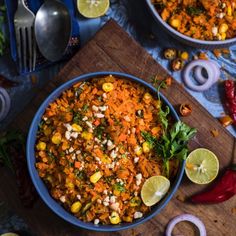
x,y
90,151
200,19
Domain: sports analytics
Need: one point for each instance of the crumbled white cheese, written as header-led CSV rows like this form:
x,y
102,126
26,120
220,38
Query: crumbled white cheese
x,y
113,154
223,5
133,130
104,141
103,108
106,203
99,115
138,179
136,159
112,199
109,143
135,194
105,192
96,221
63,199
104,95
95,108
68,127
214,30
99,201
73,157
71,149
89,124
74,135
67,135
78,196
78,152
220,15
115,206
97,140
127,118
138,214
117,163
85,118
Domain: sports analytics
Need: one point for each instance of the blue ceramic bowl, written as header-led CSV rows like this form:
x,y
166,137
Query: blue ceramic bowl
x,y
41,187
209,45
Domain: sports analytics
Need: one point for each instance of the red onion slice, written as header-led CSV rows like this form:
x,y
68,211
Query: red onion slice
x,y
200,78
186,217
5,103
188,79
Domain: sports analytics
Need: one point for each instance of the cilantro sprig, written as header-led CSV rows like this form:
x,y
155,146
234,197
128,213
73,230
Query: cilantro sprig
x,y
173,141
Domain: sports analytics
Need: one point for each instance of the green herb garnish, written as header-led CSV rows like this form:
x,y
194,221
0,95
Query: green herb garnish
x,y
173,141
98,131
194,11
119,187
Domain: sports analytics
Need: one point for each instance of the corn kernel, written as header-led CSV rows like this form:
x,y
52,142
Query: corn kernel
x,y
175,23
75,207
223,28
41,146
115,218
147,96
56,138
223,36
47,131
229,11
105,159
127,218
146,147
184,56
70,185
95,177
156,130
76,128
135,201
157,104
86,135
107,87
138,150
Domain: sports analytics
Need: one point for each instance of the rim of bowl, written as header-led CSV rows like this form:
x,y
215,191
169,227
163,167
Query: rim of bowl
x,y
185,37
43,190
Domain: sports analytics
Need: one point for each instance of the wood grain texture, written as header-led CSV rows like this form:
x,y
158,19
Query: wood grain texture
x,y
113,50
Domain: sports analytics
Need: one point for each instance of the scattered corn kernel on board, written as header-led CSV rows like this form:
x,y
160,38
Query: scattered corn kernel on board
x,y
113,50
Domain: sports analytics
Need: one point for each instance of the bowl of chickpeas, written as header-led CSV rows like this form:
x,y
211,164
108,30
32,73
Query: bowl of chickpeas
x,y
206,24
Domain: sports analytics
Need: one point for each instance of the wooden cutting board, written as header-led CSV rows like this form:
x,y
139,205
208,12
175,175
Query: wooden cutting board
x,y
112,49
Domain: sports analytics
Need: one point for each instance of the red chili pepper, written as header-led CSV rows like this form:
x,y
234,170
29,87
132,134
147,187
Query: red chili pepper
x,y
230,96
222,191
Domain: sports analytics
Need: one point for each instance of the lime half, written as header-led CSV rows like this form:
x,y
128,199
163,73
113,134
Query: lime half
x,y
154,189
93,8
202,166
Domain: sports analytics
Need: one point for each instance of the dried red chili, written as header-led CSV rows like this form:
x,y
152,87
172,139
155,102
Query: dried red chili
x,y
230,97
185,109
222,191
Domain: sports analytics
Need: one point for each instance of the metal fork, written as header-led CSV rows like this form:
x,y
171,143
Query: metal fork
x,y
24,30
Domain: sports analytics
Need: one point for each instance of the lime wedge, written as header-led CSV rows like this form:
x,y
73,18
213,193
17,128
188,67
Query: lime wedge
x,y
93,8
202,166
154,189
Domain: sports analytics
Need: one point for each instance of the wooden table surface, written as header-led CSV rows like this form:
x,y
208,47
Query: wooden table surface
x,y
113,50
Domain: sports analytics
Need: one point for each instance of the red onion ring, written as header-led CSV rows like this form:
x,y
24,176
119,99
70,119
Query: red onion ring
x,y
5,102
186,217
200,78
188,80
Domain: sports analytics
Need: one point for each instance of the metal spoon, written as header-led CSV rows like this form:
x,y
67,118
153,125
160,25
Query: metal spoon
x,y
52,29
